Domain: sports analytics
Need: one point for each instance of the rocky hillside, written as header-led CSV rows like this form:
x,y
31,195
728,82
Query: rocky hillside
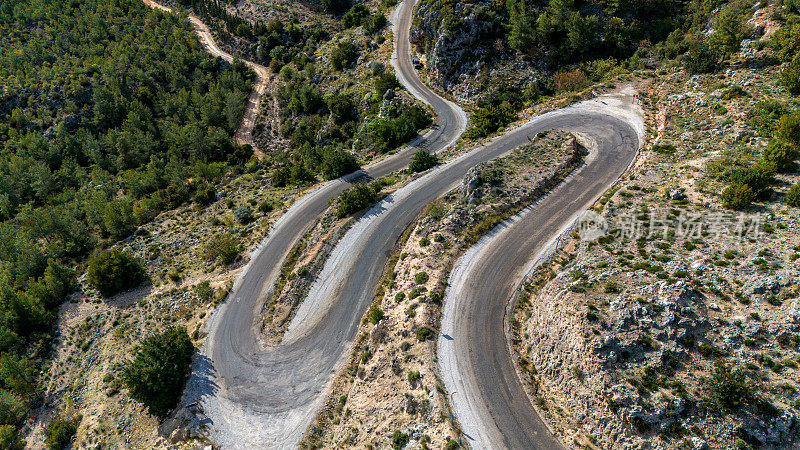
x,y
675,323
527,50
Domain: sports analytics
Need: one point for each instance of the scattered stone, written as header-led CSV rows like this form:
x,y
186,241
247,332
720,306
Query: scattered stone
x,y
677,194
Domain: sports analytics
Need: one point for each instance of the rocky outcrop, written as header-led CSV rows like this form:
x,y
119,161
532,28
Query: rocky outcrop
x,y
455,37
636,363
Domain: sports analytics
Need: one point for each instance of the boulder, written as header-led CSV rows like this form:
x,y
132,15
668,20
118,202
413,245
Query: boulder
x,y
677,194
178,435
471,182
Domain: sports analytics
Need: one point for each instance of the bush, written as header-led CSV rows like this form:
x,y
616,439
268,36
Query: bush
x,y
17,373
374,314
384,82
386,133
701,58
781,155
665,149
11,407
343,55
793,196
337,163
789,129
421,278
204,291
266,207
707,350
205,195
734,92
342,108
570,81
356,198
355,16
281,177
300,174
765,116
8,438
757,177
729,29
790,76
159,369
114,271
243,214
374,23
118,219
58,433
486,121
424,334
359,15
737,196
786,41
423,160
336,6
730,389
222,247
399,440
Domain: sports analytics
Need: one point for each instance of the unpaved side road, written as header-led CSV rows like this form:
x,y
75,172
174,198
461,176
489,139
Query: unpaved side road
x,y
473,351
244,135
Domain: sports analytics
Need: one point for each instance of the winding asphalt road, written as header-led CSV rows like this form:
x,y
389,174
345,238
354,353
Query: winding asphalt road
x,y
476,363
254,396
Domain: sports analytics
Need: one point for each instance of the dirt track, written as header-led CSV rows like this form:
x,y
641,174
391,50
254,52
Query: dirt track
x,y
244,134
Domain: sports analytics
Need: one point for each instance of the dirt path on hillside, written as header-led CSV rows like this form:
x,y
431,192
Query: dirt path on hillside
x,y
244,135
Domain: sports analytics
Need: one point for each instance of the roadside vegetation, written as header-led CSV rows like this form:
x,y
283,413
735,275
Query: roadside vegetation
x,y
393,359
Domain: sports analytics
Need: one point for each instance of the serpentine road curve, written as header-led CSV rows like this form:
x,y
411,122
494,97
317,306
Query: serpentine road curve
x,y
257,397
475,360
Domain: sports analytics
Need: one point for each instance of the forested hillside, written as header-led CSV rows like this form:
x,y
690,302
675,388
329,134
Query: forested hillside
x,y
110,112
331,86
509,54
